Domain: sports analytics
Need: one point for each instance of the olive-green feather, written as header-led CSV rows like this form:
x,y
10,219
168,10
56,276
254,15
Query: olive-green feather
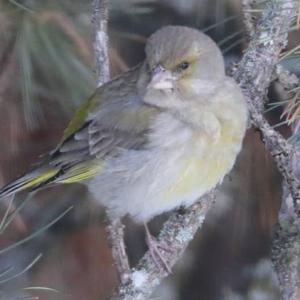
x,y
29,181
81,171
80,116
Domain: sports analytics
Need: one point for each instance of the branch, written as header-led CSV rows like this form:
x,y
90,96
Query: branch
x,y
176,234
100,43
248,18
286,243
286,259
116,238
254,76
100,39
298,18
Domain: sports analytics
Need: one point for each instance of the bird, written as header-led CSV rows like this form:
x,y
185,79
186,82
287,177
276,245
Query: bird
x,y
154,138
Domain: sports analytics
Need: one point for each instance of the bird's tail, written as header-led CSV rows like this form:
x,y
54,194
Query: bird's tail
x,y
31,180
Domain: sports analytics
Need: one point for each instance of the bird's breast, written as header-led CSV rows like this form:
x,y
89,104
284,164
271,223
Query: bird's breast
x,y
204,162
178,166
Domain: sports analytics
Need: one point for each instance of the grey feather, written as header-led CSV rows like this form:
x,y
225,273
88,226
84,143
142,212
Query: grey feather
x,y
73,145
118,120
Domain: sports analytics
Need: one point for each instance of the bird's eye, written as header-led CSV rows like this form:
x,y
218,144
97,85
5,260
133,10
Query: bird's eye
x,y
183,66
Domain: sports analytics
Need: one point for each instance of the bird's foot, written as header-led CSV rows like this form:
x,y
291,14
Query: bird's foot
x,y
155,248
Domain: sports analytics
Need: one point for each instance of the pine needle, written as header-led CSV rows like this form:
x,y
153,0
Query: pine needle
x,y
21,6
8,218
36,233
226,20
35,260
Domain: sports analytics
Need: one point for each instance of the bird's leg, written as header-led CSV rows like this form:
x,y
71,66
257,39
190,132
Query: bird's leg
x,y
154,247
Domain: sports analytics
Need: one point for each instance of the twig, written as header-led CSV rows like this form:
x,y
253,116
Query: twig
x,y
290,83
286,260
287,79
298,17
176,234
254,76
100,43
248,18
286,243
116,238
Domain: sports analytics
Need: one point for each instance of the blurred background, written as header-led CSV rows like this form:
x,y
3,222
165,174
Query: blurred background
x,y
46,71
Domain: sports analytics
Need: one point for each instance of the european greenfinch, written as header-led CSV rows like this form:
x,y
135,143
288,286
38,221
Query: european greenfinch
x,y
156,137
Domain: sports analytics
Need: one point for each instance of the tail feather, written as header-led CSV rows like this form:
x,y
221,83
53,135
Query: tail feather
x,y
46,175
28,181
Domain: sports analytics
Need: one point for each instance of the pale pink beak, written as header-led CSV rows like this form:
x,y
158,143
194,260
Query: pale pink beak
x,y
162,79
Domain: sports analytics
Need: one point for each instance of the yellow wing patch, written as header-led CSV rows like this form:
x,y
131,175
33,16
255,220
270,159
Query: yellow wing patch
x,y
39,178
81,172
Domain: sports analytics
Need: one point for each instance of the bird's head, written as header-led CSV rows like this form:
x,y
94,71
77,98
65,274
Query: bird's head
x,y
182,59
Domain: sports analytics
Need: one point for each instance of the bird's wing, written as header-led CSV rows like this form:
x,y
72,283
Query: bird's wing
x,y
114,118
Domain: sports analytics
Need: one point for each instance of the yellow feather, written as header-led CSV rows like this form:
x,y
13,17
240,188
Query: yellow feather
x,y
81,172
79,117
202,172
39,178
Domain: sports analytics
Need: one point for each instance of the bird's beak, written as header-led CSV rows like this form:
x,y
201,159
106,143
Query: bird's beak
x,y
161,79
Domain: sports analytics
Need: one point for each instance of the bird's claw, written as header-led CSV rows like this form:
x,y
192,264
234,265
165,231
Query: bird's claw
x,y
154,248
